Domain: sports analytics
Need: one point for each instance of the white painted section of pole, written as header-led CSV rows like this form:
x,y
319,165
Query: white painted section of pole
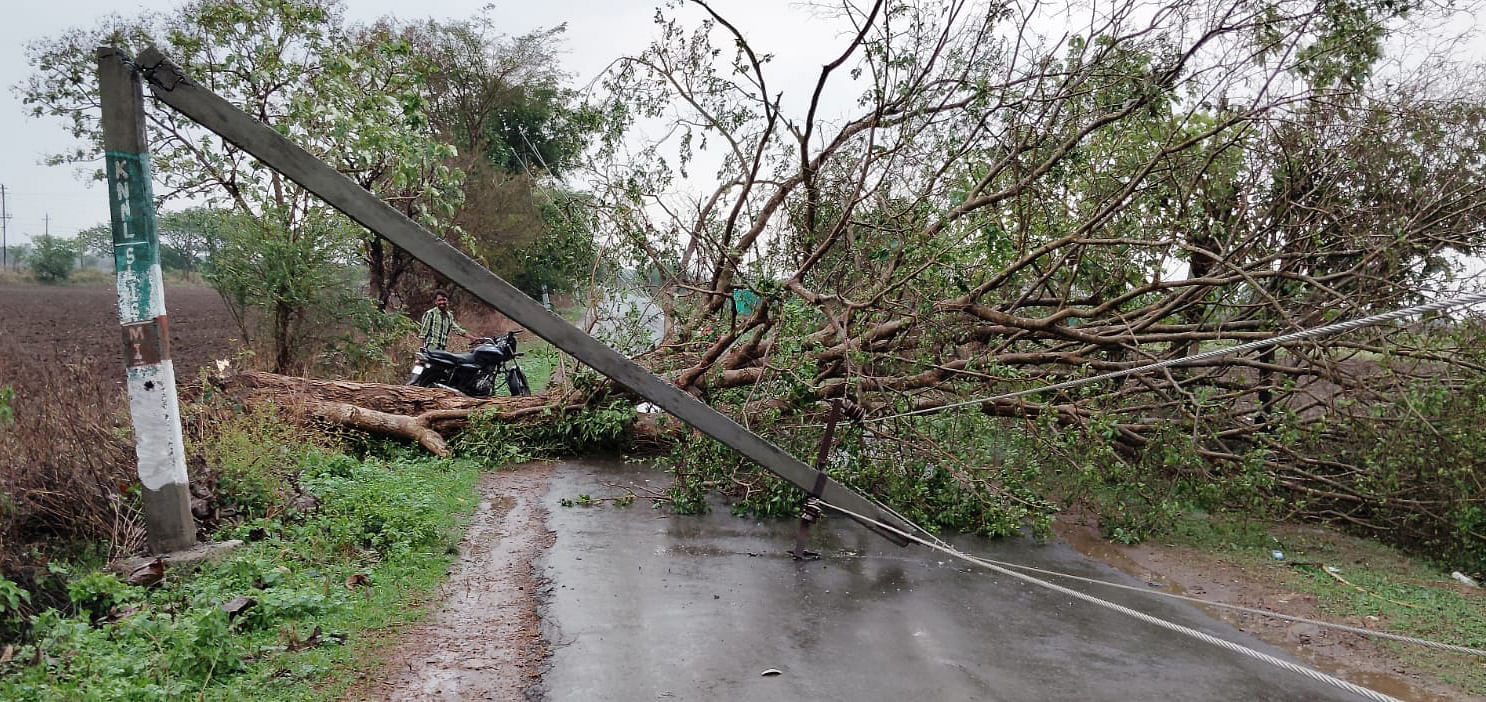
x,y
156,412
134,288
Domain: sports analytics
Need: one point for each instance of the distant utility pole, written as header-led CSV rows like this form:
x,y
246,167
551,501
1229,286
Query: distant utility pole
x,y
153,405
4,232
46,224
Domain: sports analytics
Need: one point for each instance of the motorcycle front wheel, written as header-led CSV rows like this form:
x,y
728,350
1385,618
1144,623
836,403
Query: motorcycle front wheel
x,y
516,382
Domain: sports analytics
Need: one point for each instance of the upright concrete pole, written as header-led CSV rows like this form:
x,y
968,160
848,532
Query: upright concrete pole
x,y
153,405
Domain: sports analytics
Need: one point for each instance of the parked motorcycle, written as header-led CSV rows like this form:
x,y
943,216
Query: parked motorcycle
x,y
490,364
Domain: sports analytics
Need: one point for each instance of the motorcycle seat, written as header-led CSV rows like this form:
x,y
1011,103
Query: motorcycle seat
x,y
448,356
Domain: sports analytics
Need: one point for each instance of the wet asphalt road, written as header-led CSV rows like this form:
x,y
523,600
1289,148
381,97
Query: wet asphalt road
x,y
645,606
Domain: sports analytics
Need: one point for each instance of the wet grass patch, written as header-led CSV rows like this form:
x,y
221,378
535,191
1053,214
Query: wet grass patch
x,y
286,617
1358,581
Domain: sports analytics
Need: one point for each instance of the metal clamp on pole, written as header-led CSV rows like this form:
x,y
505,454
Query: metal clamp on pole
x,y
809,515
810,511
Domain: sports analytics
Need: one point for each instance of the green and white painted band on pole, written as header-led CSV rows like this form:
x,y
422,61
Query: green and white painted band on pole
x,y
153,405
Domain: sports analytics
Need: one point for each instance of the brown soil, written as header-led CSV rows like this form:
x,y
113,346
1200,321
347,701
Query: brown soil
x,y
80,325
485,641
1197,573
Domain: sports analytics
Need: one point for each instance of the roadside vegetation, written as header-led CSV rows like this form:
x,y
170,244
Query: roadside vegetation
x,y
344,540
365,557
466,130
347,536
1358,581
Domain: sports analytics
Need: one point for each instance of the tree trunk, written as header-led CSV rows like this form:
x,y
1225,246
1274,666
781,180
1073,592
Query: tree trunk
x,y
376,280
393,399
281,318
423,415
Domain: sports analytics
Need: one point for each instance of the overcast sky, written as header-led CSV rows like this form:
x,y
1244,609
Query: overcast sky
x,y
598,32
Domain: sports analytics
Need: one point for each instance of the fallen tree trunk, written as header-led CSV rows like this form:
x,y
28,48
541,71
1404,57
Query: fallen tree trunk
x,y
412,428
427,416
393,399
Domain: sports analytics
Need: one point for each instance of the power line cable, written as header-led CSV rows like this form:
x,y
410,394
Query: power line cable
x,y
1317,675
1460,301
1439,645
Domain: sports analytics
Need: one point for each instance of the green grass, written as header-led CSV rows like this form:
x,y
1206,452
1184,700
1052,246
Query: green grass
x,y
1407,596
538,361
394,521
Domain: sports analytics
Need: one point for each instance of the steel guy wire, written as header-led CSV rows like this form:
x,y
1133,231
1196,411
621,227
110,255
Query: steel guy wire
x,y
1453,648
1317,675
1459,301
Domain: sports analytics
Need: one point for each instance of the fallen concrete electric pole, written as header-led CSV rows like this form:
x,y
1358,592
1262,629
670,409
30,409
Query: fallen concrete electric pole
x,y
171,86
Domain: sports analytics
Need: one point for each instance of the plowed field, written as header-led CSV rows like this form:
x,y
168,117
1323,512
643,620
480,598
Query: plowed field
x,y
42,324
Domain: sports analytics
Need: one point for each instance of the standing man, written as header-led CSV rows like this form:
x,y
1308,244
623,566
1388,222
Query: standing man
x,y
433,331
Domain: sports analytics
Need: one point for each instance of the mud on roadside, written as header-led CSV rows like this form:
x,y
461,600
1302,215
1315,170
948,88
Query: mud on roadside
x,y
484,641
1197,573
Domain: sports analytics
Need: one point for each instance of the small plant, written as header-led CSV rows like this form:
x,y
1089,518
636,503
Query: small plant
x,y
7,395
95,594
13,598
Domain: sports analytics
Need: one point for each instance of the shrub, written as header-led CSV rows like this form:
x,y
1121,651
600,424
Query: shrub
x,y
253,458
67,465
1424,460
52,258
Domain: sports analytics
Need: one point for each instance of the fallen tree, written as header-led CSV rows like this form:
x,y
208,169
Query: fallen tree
x,y
426,416
1001,210
1000,216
